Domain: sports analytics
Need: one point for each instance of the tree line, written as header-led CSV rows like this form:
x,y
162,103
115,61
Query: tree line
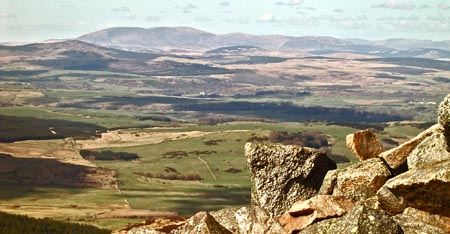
x,y
108,155
19,224
287,111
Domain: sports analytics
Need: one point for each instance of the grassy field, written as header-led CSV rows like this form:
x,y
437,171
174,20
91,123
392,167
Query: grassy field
x,y
213,152
65,204
211,162
105,118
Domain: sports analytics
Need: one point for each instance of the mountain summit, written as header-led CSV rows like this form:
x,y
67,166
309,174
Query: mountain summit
x,y
186,38
192,39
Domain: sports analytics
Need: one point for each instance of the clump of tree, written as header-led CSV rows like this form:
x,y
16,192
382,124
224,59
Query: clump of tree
x,y
19,224
257,139
213,142
307,139
205,152
228,119
175,154
108,155
233,170
442,79
171,176
360,125
288,111
153,117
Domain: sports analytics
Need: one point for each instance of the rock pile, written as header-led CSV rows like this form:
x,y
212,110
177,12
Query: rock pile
x,y
298,190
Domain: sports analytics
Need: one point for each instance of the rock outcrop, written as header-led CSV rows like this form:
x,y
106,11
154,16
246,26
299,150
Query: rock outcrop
x,y
425,188
364,144
444,119
410,225
431,149
305,213
417,221
357,182
360,220
397,156
201,223
247,220
256,220
227,218
283,174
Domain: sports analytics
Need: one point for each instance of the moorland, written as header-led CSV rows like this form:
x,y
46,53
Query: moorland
x,y
110,135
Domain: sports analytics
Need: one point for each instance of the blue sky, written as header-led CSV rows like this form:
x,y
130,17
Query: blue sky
x,y
35,20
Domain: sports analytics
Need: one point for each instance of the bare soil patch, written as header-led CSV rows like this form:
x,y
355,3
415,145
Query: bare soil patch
x,y
121,138
134,213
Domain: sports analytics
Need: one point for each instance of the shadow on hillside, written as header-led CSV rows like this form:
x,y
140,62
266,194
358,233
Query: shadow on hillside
x,y
50,173
209,200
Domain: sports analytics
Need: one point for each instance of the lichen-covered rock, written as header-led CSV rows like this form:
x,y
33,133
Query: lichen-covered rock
x,y
418,221
144,231
159,225
320,207
283,174
256,220
226,218
361,180
413,226
329,182
397,156
426,188
431,149
247,220
444,119
364,144
201,223
360,220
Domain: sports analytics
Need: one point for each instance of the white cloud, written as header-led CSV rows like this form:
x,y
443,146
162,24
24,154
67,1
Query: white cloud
x,y
362,18
229,20
188,6
128,16
203,19
338,10
409,18
305,21
266,17
153,18
347,22
443,6
425,6
440,26
224,4
386,18
6,15
244,20
396,5
439,18
290,3
120,9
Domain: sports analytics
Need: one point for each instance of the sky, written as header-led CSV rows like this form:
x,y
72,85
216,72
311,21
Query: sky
x,y
37,20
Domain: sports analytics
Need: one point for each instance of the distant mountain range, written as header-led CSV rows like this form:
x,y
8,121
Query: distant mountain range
x,y
186,38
